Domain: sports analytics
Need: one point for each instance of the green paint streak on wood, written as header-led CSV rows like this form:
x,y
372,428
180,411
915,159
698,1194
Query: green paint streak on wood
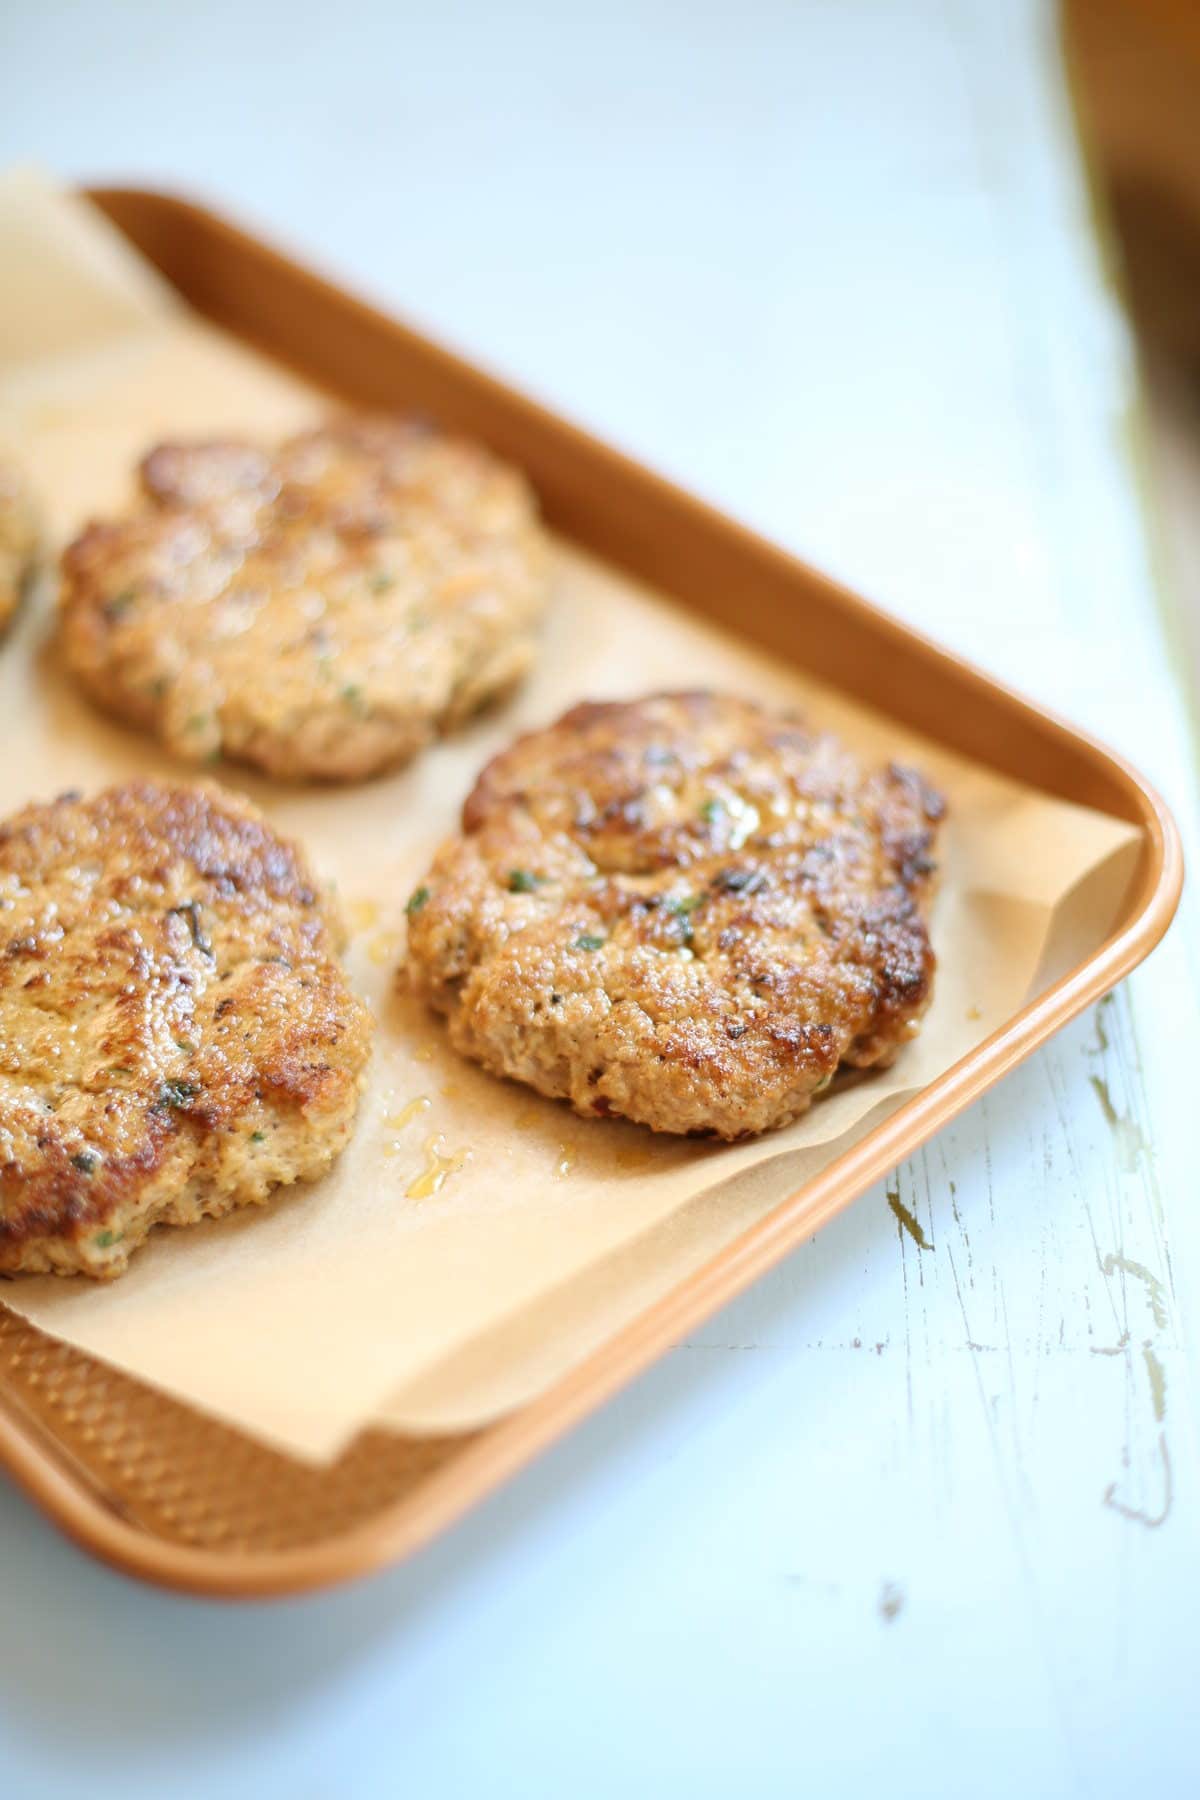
x,y
1102,1006
1127,1132
1138,1514
1112,1116
1155,1292
907,1221
1158,1382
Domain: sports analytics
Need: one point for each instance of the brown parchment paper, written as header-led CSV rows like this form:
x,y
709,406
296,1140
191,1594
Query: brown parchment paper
x,y
349,1301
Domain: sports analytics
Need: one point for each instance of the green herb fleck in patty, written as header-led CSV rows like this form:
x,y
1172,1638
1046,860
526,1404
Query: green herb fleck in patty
x,y
177,1093
190,910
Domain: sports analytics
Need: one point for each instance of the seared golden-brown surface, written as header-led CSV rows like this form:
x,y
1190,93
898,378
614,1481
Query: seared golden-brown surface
x,y
18,539
685,910
177,1036
320,611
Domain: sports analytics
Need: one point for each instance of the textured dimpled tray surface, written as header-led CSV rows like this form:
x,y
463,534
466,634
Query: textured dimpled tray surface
x,y
189,1480
169,1494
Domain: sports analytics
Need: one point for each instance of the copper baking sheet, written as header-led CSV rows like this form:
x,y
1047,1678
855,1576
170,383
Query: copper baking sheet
x,y
170,1493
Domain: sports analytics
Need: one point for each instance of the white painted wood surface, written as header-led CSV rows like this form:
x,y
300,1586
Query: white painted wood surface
x,y
922,1521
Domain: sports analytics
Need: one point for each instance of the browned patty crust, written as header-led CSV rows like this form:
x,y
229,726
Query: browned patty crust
x,y
177,1036
18,539
686,910
321,610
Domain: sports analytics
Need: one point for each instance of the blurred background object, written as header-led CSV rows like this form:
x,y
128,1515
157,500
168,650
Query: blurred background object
x,y
1135,77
